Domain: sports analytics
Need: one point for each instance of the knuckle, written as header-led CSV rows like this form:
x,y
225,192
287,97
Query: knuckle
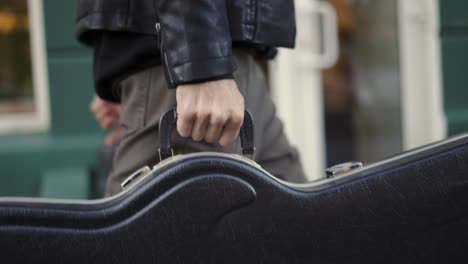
x,y
203,114
238,119
190,112
180,126
183,132
187,115
197,134
242,100
210,139
218,120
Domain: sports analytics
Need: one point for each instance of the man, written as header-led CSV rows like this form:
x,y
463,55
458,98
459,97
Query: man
x,y
208,53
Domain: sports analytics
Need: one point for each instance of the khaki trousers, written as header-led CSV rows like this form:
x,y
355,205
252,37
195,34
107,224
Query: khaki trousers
x,y
145,98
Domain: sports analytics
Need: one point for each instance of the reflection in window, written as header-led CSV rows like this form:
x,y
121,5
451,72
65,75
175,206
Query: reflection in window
x,y
362,91
16,85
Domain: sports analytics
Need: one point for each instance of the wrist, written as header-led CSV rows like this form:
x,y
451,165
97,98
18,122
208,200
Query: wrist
x,y
229,76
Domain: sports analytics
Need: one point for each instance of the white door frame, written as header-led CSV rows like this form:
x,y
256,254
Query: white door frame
x,y
296,80
420,61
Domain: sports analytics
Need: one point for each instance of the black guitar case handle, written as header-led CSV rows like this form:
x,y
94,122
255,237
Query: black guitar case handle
x,y
168,122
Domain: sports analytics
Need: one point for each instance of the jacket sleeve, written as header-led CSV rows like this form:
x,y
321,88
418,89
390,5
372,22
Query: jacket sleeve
x,y
194,39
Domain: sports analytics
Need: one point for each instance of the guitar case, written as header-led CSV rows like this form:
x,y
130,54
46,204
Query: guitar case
x,y
218,208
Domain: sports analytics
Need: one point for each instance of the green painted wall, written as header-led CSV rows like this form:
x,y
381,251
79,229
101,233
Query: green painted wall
x,y
69,71
70,145
454,45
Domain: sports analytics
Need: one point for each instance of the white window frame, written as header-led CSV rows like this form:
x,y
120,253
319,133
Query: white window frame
x,y
424,120
39,120
296,83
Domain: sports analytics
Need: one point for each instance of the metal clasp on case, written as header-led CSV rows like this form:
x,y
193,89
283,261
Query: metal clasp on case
x,y
343,168
160,156
141,172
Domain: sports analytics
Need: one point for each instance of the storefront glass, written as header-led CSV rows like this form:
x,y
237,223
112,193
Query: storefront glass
x,y
16,85
363,91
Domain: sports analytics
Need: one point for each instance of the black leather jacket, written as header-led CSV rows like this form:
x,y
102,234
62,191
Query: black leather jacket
x,y
195,36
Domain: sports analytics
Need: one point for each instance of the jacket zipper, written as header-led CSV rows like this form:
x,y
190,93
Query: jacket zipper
x,y
165,62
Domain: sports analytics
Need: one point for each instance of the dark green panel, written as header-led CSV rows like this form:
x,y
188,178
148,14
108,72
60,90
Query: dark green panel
x,y
26,159
69,183
70,75
71,91
59,19
457,122
454,13
455,65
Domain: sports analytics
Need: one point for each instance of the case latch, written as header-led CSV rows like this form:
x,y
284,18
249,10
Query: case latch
x,y
139,173
343,168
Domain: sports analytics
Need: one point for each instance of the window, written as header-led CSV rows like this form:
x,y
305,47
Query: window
x,y
381,97
23,69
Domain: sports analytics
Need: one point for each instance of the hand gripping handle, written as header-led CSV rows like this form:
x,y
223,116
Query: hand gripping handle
x,y
169,120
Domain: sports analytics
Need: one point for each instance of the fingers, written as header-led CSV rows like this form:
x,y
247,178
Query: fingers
x,y
193,124
214,130
94,104
108,121
200,126
107,118
114,136
231,130
185,120
106,113
211,111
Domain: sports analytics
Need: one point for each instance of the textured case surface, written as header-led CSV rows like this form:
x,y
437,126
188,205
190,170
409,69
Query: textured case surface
x,y
213,208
